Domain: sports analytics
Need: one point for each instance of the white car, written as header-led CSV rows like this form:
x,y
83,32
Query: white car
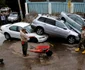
x,y
12,31
13,16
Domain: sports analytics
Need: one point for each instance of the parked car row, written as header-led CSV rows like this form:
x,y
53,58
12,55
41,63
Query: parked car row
x,y
53,27
68,26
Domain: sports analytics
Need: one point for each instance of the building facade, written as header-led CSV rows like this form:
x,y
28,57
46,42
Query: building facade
x,y
54,6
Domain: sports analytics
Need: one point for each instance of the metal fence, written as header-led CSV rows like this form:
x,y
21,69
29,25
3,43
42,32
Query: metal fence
x,y
54,7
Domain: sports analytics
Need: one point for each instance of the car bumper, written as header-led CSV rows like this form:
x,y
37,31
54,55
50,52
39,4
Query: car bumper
x,y
42,39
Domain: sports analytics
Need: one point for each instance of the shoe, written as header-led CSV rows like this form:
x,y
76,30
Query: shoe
x,y
83,52
77,49
26,55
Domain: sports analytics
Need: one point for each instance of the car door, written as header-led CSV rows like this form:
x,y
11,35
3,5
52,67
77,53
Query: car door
x,y
50,26
14,32
61,30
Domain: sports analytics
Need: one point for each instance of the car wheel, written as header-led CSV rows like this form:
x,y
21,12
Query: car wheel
x,y
49,53
7,36
33,40
71,39
40,31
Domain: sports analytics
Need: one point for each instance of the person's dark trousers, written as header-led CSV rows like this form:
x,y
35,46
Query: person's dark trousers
x,y
82,42
4,22
24,48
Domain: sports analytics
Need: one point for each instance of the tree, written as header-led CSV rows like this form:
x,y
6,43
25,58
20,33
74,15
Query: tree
x,y
2,3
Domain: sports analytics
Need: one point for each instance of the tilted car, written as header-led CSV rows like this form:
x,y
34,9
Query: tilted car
x,y
77,18
45,24
73,20
13,31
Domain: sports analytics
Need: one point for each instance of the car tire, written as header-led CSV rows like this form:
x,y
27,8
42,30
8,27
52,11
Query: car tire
x,y
71,39
49,53
40,31
7,36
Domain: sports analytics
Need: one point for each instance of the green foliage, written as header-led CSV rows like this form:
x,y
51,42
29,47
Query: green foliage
x,y
2,3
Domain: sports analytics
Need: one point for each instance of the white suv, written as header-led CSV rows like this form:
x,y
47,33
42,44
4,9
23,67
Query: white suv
x,y
44,24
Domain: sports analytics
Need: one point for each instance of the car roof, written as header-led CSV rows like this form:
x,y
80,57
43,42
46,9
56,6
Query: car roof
x,y
47,16
21,24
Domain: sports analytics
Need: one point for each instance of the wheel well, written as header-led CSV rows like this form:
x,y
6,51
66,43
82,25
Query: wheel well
x,y
6,33
70,36
62,18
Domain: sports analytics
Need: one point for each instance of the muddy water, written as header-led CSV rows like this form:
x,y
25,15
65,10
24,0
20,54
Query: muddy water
x,y
64,57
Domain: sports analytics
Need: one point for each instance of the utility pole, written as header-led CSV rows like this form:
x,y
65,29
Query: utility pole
x,y
20,9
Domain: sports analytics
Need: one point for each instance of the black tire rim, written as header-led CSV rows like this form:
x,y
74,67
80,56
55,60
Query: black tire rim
x,y
71,40
40,31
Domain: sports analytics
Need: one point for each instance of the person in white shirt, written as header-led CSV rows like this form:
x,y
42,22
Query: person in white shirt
x,y
24,41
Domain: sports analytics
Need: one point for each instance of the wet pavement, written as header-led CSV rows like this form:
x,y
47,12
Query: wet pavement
x,y
64,57
2,39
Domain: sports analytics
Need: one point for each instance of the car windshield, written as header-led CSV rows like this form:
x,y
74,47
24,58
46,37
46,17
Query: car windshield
x,y
68,26
14,15
60,24
28,29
